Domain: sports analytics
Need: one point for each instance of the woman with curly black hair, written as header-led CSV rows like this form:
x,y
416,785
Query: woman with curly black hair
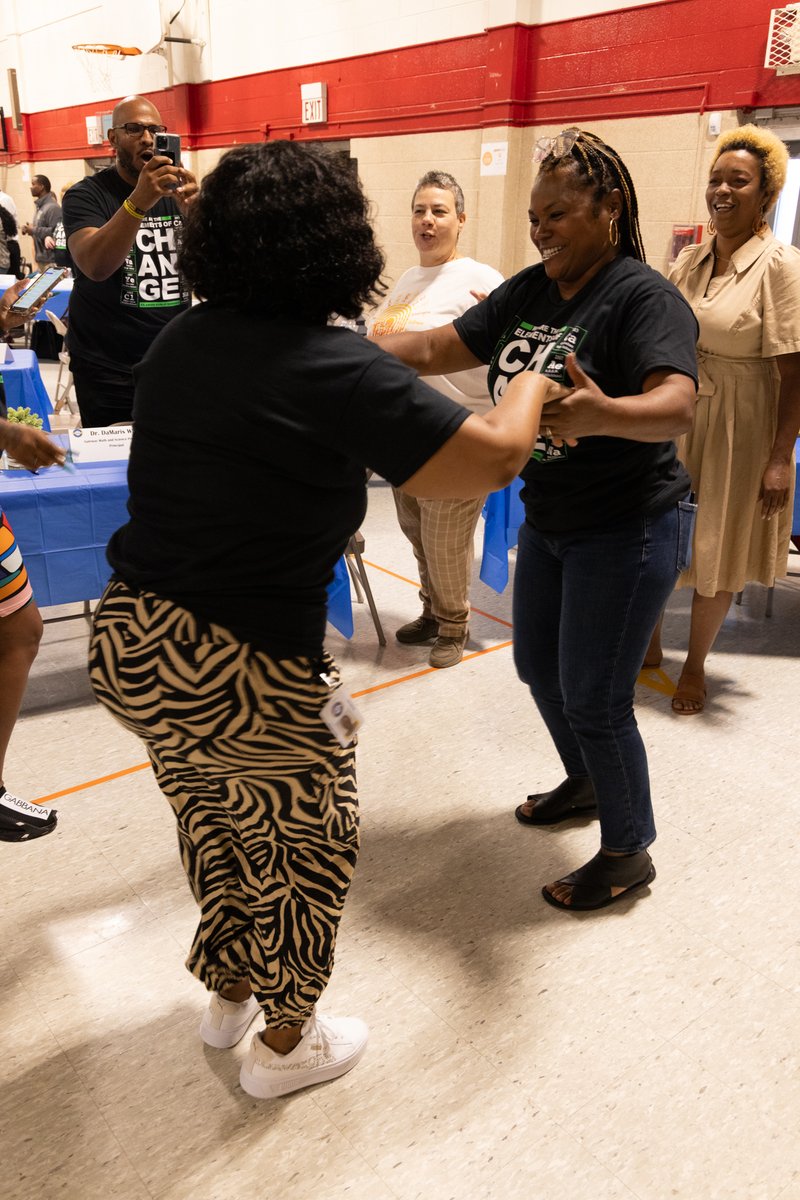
x,y
247,478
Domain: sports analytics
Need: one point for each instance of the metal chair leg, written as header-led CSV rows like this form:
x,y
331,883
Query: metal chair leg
x,y
359,575
770,599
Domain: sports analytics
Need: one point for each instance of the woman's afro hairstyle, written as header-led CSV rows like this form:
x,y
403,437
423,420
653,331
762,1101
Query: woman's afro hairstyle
x,y
771,151
282,229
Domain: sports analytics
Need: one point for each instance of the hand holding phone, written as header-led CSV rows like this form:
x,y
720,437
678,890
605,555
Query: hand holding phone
x,y
38,289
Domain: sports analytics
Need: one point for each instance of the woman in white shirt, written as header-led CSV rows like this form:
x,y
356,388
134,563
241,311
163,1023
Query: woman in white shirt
x,y
440,289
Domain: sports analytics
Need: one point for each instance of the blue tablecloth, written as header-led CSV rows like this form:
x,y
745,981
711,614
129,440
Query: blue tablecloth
x,y
23,384
503,513
62,523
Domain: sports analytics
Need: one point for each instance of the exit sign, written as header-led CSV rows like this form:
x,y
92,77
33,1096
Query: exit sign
x,y
314,103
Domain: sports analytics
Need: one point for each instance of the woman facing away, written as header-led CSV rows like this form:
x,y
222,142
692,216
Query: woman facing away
x,y
247,478
441,532
744,288
607,520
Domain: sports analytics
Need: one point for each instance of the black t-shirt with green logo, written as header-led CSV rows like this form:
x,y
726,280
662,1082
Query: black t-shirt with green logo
x,y
114,321
626,323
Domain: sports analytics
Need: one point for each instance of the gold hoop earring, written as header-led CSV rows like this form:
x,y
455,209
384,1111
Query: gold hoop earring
x,y
759,224
711,227
613,232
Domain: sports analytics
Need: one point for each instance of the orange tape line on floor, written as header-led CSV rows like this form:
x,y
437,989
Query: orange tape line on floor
x,y
379,687
92,783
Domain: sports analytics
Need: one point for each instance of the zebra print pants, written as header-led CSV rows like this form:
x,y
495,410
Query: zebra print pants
x,y
264,796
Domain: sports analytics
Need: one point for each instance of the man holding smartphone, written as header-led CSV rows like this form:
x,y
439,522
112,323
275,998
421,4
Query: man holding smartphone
x,y
121,227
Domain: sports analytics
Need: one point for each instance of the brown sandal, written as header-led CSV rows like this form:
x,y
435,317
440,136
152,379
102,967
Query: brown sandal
x,y
691,689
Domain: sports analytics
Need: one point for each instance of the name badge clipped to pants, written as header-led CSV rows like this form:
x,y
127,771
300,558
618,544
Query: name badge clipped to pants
x,y
342,718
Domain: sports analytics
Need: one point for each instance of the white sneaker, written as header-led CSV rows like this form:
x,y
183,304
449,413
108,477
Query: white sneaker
x,y
328,1047
225,1022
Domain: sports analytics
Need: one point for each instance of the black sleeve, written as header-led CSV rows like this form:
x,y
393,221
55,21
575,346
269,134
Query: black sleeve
x,y
481,327
394,422
657,331
83,209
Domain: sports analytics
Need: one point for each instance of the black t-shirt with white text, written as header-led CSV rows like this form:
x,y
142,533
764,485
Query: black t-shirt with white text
x,y
248,466
625,324
112,322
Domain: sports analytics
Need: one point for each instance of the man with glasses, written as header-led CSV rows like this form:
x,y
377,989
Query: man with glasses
x,y
121,227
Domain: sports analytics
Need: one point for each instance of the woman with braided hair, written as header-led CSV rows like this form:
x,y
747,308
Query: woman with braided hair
x,y
608,521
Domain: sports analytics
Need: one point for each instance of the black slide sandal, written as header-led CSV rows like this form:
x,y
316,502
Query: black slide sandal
x,y
574,797
592,883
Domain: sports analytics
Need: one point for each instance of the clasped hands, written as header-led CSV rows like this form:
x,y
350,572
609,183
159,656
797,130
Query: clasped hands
x,y
577,411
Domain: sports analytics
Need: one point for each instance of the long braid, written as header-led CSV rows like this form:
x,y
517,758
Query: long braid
x,y
602,166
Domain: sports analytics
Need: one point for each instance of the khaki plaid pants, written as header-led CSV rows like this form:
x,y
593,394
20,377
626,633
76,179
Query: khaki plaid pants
x,y
442,534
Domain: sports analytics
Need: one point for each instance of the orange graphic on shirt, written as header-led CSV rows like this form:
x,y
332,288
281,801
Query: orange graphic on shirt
x,y
393,320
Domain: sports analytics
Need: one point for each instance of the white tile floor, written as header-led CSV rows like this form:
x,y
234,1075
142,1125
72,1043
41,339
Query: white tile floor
x,y
516,1052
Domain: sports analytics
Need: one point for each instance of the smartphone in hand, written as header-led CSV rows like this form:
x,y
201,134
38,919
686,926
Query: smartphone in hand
x,y
39,288
168,145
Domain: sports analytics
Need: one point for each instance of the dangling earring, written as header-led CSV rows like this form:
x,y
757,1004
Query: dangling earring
x,y
711,227
759,224
613,232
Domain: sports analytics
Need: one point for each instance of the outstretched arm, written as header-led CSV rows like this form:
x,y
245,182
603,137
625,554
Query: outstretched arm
x,y
430,352
489,450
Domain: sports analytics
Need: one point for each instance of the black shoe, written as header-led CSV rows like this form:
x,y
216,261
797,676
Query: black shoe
x,y
416,632
574,797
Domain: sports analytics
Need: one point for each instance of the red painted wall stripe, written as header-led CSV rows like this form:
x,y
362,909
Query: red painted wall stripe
x,y
680,56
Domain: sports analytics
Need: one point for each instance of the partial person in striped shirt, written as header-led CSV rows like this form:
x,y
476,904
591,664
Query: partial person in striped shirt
x,y
20,622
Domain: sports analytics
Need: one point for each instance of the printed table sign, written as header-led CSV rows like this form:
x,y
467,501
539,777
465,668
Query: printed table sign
x,y
107,443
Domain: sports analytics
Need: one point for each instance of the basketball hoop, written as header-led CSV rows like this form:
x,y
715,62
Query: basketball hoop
x,y
98,60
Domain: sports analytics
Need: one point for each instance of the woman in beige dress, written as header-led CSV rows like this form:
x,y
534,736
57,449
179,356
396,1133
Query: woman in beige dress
x,y
744,287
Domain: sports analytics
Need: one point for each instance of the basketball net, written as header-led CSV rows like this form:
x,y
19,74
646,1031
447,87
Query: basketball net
x,y
99,60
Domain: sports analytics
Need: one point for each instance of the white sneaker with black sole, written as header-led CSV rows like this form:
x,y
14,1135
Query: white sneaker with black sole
x,y
225,1022
328,1047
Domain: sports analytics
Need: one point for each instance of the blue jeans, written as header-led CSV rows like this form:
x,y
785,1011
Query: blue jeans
x,y
585,605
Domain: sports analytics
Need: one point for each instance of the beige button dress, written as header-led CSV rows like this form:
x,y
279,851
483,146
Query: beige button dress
x,y
747,316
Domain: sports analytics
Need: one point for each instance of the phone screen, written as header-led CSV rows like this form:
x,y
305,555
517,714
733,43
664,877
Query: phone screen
x,y
39,286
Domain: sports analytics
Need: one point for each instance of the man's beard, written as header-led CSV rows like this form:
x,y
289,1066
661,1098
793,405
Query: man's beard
x,y
126,162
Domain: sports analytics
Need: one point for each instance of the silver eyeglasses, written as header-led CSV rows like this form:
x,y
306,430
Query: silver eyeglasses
x,y
558,146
